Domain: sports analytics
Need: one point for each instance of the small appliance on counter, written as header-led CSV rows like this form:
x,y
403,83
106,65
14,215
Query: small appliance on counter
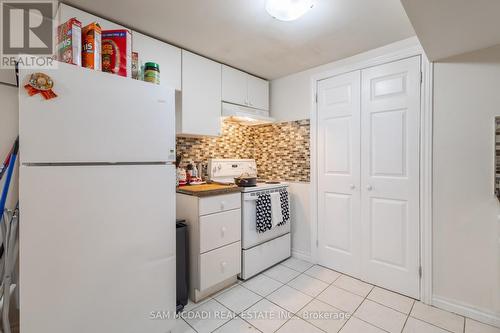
x,y
259,250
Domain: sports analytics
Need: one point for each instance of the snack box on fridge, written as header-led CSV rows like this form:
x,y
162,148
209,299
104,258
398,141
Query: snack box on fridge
x,y
91,46
69,42
117,52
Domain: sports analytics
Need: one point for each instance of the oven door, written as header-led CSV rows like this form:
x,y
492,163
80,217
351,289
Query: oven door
x,y
249,236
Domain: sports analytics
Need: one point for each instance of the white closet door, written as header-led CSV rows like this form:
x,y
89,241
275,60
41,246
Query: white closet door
x,y
390,175
339,173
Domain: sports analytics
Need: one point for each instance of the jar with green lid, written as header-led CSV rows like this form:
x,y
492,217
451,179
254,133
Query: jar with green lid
x,y
152,72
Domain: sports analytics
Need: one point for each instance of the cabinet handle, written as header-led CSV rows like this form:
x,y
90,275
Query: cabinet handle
x,y
352,186
223,265
222,205
369,187
223,231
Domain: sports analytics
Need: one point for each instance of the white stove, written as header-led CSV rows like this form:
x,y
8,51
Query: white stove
x,y
259,250
263,185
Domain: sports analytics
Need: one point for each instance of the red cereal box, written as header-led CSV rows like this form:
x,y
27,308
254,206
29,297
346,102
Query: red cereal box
x,y
117,52
69,42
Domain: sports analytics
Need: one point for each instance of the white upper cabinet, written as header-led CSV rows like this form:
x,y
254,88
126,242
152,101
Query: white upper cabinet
x,y
234,86
149,49
66,12
241,88
200,112
167,56
258,93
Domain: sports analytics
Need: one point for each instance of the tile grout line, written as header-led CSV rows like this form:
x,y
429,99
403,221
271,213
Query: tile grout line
x,y
189,325
422,320
352,315
407,317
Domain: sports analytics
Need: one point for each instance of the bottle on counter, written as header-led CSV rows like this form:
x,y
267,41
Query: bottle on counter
x,y
189,172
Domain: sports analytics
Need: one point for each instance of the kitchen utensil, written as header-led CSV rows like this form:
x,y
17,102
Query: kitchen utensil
x,y
245,180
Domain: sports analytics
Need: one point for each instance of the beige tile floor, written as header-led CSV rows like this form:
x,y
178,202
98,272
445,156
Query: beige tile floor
x,y
298,297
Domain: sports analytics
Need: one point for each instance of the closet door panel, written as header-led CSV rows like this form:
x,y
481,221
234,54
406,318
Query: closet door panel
x,y
390,115
339,172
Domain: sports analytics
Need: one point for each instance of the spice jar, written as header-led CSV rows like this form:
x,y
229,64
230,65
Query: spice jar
x,y
152,72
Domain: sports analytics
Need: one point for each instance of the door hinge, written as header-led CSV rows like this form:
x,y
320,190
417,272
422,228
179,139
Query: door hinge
x,y
421,77
420,271
316,98
317,243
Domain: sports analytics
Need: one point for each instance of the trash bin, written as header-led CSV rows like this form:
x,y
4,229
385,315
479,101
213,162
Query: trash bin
x,y
182,264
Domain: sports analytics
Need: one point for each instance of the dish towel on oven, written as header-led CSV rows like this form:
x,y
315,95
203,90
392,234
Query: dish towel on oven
x,y
276,215
263,213
272,210
285,206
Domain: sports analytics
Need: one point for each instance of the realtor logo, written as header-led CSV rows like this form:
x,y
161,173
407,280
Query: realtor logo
x,y
27,29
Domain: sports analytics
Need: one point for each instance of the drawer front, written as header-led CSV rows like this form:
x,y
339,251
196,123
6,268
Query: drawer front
x,y
219,265
219,229
220,203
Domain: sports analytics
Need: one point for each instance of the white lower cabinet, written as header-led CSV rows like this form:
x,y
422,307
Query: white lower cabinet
x,y
220,264
219,229
214,228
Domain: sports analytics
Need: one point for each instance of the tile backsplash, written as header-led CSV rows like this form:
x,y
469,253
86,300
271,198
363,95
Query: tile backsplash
x,y
281,150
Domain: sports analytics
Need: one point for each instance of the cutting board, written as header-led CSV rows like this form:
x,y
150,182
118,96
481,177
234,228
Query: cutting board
x,y
205,187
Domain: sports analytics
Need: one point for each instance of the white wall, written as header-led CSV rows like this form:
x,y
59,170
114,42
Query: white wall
x,y
8,133
301,219
291,96
466,244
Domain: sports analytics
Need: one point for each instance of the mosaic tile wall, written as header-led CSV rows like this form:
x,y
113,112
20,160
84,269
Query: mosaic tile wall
x,y
281,150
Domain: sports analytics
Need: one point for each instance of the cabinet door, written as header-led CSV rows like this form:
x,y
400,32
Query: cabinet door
x,y
234,86
258,93
201,96
66,12
165,55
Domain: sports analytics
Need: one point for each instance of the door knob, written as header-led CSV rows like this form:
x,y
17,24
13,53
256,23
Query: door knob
x,y
369,187
352,186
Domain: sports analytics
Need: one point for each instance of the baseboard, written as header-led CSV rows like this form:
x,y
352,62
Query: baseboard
x,y
302,255
467,310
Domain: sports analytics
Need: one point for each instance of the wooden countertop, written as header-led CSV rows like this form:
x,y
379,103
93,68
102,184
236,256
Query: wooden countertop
x,y
204,190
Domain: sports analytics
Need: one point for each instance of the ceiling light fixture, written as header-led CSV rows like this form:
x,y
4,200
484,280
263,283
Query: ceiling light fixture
x,y
288,10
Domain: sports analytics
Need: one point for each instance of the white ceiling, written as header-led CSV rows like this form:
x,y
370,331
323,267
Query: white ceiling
x,y
450,27
240,33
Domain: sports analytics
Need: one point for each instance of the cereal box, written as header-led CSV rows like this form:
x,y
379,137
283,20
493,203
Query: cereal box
x,y
117,52
69,42
91,46
135,65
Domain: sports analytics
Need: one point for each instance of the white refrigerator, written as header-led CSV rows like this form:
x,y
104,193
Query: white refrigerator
x,y
97,200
